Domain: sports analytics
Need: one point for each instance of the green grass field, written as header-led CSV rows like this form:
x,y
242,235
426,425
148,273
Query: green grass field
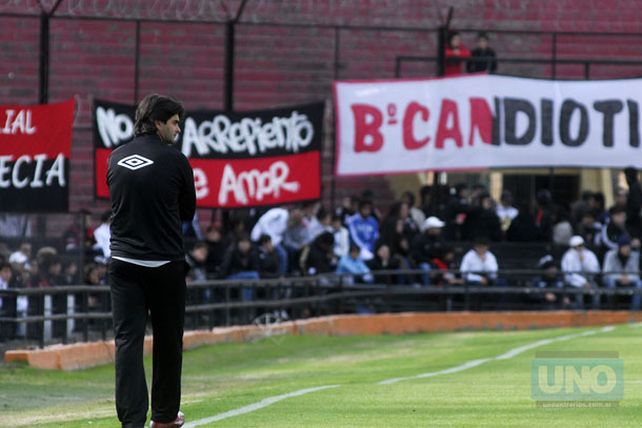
x,y
225,377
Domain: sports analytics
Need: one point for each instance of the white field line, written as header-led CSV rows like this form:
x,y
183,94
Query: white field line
x,y
505,356
465,366
256,406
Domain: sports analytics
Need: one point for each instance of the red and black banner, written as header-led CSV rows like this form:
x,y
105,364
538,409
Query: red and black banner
x,y
35,146
240,159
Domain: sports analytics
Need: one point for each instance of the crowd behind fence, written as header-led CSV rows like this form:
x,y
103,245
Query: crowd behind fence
x,y
64,314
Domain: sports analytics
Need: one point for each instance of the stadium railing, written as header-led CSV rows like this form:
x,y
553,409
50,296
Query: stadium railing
x,y
82,313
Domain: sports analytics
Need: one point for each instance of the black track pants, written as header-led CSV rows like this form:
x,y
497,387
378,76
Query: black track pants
x,y
135,291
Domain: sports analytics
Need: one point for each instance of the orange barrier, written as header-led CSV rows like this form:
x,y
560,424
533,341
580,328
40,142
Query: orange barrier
x,y
82,355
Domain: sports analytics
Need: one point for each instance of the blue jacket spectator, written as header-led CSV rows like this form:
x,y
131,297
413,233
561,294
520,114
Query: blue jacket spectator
x,y
354,264
364,230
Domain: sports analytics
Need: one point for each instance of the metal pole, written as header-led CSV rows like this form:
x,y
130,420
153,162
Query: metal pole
x,y
43,71
229,66
333,155
554,55
137,63
230,47
441,50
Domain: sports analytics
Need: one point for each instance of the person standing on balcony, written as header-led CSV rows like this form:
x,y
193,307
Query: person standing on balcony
x,y
456,55
151,187
483,57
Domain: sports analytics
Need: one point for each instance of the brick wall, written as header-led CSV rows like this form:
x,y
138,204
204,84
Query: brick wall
x,y
182,53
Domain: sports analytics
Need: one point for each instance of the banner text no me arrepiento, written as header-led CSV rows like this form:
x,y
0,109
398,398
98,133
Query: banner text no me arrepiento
x,y
484,121
243,159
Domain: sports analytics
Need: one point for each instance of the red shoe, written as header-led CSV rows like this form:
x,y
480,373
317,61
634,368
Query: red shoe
x,y
176,423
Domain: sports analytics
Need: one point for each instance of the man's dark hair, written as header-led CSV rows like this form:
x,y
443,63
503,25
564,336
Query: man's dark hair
x,y
365,203
482,35
264,238
155,107
199,244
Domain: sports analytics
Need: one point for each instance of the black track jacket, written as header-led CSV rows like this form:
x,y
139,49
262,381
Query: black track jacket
x,y
151,187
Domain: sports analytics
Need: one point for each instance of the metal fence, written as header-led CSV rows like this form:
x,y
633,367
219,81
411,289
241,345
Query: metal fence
x,y
42,316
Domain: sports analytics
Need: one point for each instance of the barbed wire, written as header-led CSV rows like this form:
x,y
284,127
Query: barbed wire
x,y
187,10
195,10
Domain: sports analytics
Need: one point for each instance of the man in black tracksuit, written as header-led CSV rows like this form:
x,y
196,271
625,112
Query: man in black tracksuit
x,y
151,188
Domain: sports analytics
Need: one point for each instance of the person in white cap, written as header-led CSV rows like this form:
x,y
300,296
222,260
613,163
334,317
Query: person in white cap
x,y
579,265
427,246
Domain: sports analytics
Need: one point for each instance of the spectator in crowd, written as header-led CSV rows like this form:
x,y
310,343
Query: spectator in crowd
x,y
444,271
622,269
369,196
589,229
482,57
238,228
562,227
544,215
6,273
240,262
585,204
633,202
197,261
296,236
216,247
312,220
522,228
268,259
398,228
479,265
385,261
92,276
341,237
482,220
505,210
50,267
7,304
364,229
550,278
580,265
456,211
435,199
21,258
79,235
455,55
323,224
427,246
601,213
416,214
347,208
320,256
70,273
274,223
353,264
102,235
614,229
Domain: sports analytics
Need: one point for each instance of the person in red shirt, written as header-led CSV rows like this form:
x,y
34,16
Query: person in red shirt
x,y
456,55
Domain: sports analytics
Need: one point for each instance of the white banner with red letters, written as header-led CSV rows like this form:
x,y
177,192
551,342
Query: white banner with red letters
x,y
485,121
